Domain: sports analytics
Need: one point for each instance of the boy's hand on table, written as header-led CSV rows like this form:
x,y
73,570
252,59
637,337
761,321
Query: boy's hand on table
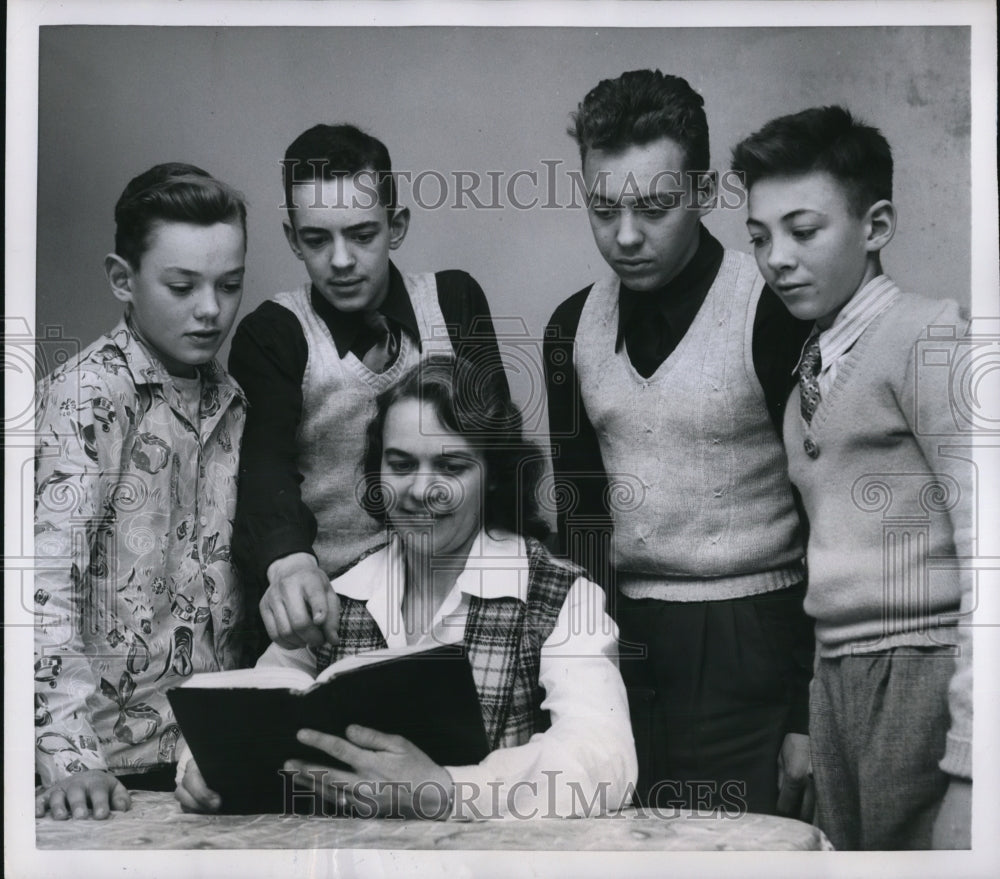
x,y
299,607
387,775
94,792
193,794
796,794
953,825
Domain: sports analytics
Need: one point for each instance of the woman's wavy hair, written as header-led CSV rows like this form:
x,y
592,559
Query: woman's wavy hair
x,y
472,400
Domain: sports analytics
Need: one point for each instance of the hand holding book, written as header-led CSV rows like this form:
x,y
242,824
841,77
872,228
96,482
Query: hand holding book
x,y
192,792
415,709
388,775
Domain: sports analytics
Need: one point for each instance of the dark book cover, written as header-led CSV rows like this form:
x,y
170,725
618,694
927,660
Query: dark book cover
x,y
241,737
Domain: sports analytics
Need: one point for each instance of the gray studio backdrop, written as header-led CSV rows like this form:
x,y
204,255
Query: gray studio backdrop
x,y
116,100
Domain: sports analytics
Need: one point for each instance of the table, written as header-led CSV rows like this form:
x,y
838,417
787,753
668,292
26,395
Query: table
x,y
156,821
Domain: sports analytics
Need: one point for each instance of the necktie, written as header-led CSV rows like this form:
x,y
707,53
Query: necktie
x,y
808,382
384,347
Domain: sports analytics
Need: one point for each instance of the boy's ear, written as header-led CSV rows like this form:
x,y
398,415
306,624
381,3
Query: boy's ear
x,y
119,274
880,225
291,237
399,223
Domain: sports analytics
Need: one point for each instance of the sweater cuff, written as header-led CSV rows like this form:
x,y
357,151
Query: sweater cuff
x,y
957,758
279,543
798,714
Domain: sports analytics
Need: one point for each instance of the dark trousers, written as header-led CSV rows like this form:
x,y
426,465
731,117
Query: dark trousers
x,y
711,695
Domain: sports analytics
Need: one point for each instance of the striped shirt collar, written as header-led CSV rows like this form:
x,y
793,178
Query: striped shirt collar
x,y
854,318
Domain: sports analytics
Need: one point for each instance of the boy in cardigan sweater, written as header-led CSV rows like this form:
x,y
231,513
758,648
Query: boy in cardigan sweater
x,y
887,496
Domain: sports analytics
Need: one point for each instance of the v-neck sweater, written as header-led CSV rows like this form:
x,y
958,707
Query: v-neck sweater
x,y
699,493
338,403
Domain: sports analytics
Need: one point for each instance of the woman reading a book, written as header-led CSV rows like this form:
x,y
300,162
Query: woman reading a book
x,y
448,471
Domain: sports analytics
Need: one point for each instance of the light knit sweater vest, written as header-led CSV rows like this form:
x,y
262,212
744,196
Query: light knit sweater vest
x,y
338,402
699,490
888,495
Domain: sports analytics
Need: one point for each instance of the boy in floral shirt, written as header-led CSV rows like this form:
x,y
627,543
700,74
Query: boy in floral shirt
x,y
135,489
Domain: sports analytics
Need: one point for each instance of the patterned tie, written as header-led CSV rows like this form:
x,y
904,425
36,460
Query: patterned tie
x,y
385,346
808,383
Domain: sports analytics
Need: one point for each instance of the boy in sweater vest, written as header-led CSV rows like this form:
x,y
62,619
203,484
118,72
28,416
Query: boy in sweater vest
x,y
666,382
312,361
886,487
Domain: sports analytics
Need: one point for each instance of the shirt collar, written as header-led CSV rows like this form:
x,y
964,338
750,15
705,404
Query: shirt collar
x,y
854,318
680,298
497,567
147,369
346,326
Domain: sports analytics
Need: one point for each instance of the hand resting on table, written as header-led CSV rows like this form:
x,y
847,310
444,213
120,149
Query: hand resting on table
x,y
94,792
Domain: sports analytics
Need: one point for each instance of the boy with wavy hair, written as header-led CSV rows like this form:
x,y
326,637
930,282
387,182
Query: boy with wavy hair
x,y
666,384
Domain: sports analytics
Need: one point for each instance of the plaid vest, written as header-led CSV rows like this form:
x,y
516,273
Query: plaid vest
x,y
503,642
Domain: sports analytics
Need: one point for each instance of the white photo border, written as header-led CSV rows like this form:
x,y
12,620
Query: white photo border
x,y
25,17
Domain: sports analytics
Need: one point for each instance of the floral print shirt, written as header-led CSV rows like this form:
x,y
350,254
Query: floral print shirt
x,y
134,586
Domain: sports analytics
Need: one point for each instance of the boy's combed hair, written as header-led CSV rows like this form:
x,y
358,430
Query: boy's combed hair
x,y
474,403
326,152
826,139
173,192
639,107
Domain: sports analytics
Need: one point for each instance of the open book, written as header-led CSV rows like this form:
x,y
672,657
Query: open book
x,y
241,725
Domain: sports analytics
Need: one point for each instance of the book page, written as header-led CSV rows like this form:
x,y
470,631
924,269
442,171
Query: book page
x,y
349,663
273,678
